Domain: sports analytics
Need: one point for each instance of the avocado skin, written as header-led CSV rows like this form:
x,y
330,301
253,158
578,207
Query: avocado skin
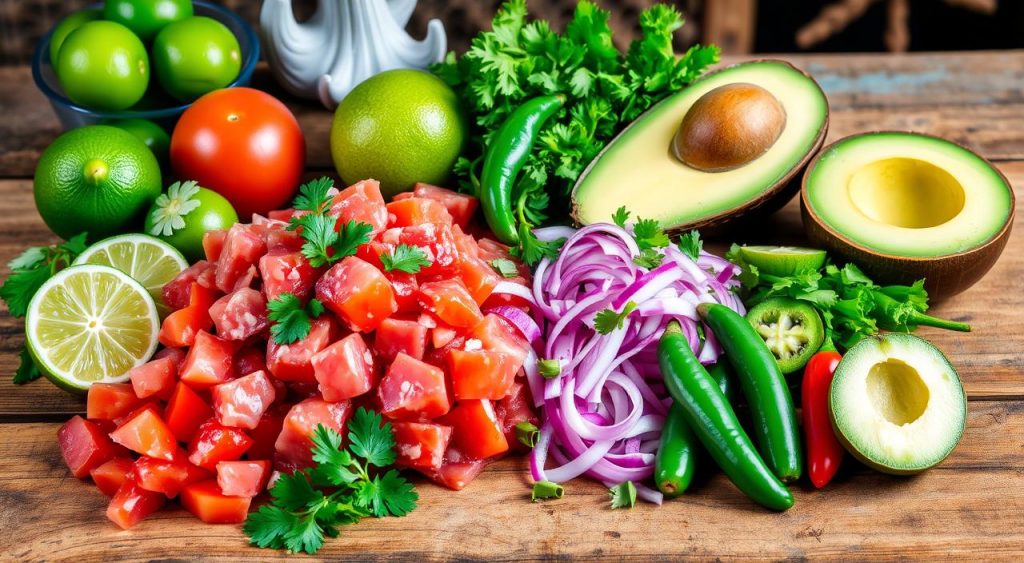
x,y
945,276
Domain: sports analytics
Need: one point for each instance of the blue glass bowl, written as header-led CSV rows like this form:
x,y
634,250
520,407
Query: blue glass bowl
x,y
72,115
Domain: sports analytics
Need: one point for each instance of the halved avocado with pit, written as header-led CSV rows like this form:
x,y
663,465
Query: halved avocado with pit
x,y
724,147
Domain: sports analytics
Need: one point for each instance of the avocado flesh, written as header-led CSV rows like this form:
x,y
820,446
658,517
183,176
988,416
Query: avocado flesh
x,y
897,404
906,194
638,170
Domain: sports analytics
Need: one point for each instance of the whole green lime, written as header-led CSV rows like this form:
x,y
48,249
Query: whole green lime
x,y
146,17
399,127
194,56
103,65
154,137
66,26
98,179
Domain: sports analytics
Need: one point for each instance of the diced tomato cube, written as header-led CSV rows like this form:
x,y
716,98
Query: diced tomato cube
x,y
281,242
397,335
154,378
131,504
264,436
358,293
109,476
176,354
213,244
345,369
440,336
479,278
240,315
242,402
411,211
495,334
450,302
481,374
457,470
209,361
207,502
146,434
405,287
513,409
413,390
294,444
215,442
460,206
476,431
420,445
167,477
84,446
284,215
436,240
294,362
242,248
107,401
250,359
180,328
243,478
151,405
361,202
185,413
287,272
177,293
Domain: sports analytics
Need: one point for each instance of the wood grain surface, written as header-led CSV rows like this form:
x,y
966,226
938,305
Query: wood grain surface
x,y
969,507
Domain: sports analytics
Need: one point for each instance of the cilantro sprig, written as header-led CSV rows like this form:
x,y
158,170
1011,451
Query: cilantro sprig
x,y
303,510
623,495
607,320
291,318
324,240
405,258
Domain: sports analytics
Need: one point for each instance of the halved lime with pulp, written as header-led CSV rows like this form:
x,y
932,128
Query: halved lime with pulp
x,y
89,324
148,260
783,260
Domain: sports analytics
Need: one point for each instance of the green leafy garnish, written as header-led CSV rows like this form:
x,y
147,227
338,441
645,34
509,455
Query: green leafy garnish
x,y
301,512
324,241
549,369
505,267
649,234
531,249
607,320
623,495
291,318
691,245
313,195
405,258
649,258
620,216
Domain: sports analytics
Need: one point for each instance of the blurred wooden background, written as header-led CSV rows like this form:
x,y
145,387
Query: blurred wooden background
x,y
739,26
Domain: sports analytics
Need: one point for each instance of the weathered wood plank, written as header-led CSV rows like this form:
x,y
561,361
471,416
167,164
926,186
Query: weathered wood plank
x,y
974,98
971,504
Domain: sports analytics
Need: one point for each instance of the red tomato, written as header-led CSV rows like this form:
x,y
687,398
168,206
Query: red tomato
x,y
420,445
240,315
479,278
358,293
243,247
460,206
152,405
480,374
146,434
214,443
284,215
515,408
476,431
111,475
156,377
441,336
436,240
396,335
207,502
457,470
294,362
179,329
495,334
281,241
250,359
243,144
287,273
294,443
213,244
132,503
372,251
265,435
411,211
413,390
167,477
185,413
243,478
84,446
107,401
209,361
345,369
242,402
450,301
405,286
362,203
177,293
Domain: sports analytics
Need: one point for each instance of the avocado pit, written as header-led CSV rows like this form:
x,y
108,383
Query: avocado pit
x,y
728,127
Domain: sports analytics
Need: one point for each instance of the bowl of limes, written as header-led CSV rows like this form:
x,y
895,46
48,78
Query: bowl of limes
x,y
141,60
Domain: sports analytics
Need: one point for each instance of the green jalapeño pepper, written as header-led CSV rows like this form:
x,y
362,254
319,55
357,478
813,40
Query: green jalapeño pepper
x,y
506,155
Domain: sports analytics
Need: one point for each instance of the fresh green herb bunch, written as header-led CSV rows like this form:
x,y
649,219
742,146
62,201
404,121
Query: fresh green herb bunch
x,y
605,90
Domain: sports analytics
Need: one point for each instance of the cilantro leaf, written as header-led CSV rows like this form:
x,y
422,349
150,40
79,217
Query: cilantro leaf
x,y
28,259
27,370
405,258
351,236
648,234
319,238
531,249
387,495
268,526
313,195
371,438
607,320
293,491
620,217
649,258
691,245
623,495
505,267
333,463
21,285
291,319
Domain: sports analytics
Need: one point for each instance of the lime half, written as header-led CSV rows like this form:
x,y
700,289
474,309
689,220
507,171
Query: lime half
x,y
148,260
90,324
783,260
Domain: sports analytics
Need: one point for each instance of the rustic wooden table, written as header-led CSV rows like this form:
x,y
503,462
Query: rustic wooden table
x,y
971,504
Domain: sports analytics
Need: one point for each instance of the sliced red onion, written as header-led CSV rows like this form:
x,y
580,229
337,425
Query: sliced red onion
x,y
519,319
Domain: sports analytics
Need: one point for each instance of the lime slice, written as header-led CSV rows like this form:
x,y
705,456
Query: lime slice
x,y
90,323
783,260
149,260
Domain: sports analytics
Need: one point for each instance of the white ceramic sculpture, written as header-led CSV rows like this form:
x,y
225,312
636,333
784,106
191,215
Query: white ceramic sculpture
x,y
344,43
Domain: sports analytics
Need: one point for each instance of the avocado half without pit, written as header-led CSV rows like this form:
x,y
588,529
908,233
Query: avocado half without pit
x,y
906,206
897,404
725,147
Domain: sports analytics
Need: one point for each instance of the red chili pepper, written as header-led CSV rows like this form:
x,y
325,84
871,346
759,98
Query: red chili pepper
x,y
824,452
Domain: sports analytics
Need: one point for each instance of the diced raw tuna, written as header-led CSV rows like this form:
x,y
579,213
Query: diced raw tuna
x,y
242,248
241,402
240,315
345,369
358,293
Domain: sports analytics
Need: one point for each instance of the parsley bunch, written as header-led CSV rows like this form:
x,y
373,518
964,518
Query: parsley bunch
x,y
301,513
605,90
325,242
29,271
